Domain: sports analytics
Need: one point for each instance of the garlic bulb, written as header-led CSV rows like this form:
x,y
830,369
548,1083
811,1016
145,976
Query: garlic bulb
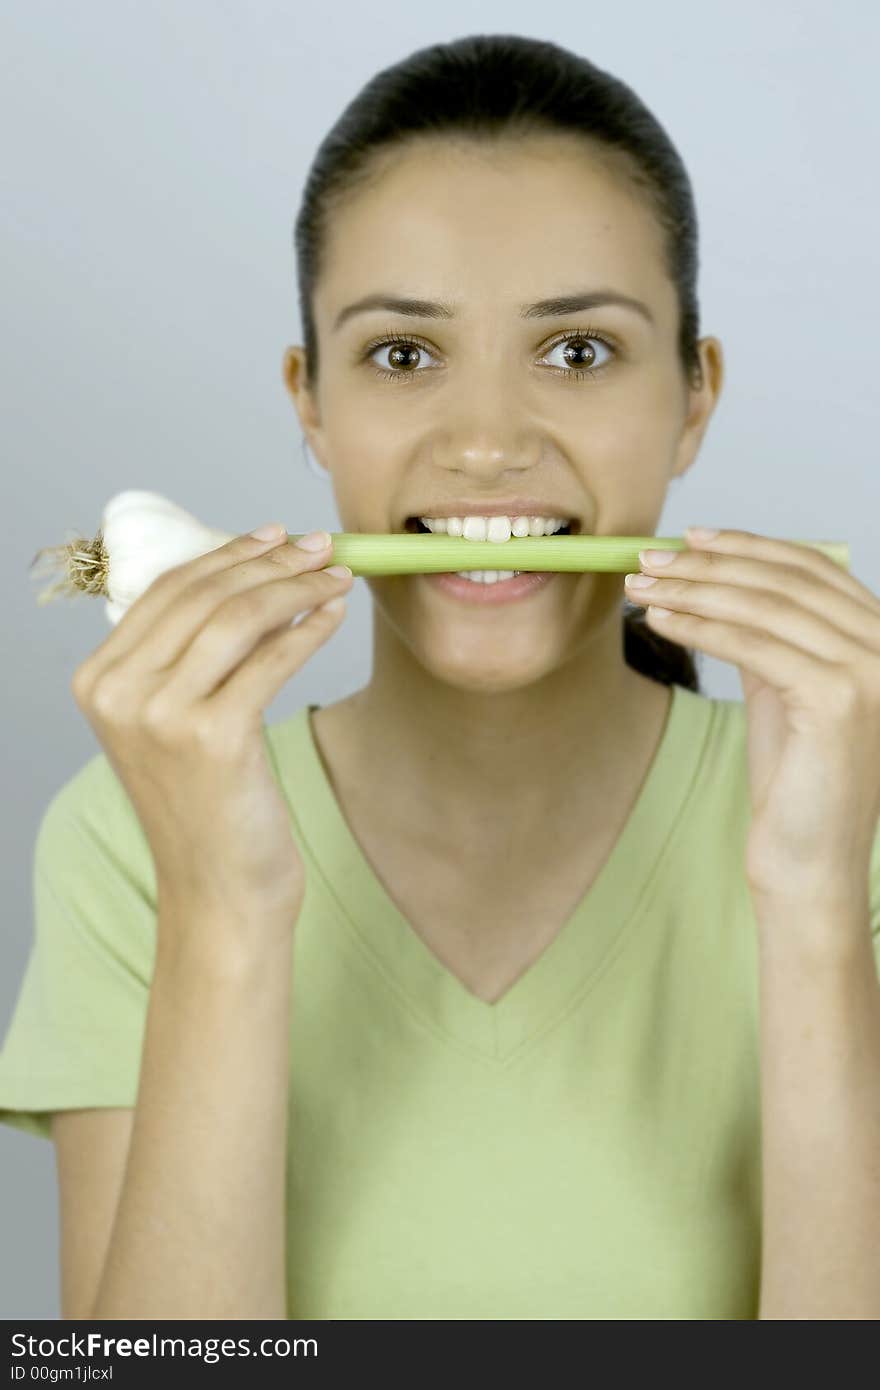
x,y
142,534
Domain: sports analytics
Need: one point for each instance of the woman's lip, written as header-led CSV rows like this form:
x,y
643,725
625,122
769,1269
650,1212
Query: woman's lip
x,y
575,526
451,585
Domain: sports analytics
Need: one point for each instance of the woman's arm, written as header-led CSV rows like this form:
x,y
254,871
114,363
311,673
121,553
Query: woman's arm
x,y
200,1229
820,1108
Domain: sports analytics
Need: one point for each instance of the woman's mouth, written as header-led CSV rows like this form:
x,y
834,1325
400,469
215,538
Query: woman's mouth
x,y
492,585
488,586
493,590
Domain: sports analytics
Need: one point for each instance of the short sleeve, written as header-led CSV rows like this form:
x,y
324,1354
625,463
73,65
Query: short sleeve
x,y
74,1040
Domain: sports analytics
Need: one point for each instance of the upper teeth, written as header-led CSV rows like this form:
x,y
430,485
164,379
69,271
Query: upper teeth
x,y
494,528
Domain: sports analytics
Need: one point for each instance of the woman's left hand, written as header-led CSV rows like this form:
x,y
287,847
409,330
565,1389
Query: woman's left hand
x,y
806,638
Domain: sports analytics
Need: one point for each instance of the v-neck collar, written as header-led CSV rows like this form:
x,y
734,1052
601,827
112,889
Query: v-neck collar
x,y
574,959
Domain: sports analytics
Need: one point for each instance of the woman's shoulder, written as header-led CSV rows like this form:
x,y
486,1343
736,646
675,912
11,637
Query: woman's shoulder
x,y
710,738
91,803
723,718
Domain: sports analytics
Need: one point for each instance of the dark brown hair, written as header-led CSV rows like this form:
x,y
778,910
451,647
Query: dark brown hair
x,y
489,86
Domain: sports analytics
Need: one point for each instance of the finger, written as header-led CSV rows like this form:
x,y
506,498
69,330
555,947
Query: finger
x,y
780,615
142,618
188,606
804,558
794,603
256,682
759,647
233,631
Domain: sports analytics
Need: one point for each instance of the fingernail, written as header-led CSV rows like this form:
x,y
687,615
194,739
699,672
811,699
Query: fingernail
x,y
341,571
315,540
273,531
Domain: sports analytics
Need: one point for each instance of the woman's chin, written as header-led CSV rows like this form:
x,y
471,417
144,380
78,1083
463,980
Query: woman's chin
x,y
483,675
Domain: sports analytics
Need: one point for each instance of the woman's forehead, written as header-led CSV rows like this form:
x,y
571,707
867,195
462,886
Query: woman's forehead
x,y
455,233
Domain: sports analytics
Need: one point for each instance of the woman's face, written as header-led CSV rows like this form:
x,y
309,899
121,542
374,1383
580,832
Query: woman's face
x,y
485,405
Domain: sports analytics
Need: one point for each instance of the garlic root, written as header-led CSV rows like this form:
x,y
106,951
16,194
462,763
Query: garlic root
x,y
85,564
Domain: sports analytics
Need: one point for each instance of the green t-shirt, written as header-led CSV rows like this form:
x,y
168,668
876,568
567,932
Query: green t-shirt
x,y
586,1147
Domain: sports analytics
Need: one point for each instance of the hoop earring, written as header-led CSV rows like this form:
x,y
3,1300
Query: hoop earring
x,y
319,471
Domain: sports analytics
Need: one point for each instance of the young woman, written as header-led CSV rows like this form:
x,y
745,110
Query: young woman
x,y
439,1001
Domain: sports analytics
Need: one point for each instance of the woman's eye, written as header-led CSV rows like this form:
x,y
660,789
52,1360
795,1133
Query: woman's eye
x,y
401,359
578,356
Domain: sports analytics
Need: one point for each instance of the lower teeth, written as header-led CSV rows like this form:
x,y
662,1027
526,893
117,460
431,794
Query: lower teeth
x,y
487,576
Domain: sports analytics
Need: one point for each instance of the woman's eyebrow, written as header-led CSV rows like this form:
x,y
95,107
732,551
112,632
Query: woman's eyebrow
x,y
542,308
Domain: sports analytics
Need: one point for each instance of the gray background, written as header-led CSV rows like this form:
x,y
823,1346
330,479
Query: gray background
x,y
154,155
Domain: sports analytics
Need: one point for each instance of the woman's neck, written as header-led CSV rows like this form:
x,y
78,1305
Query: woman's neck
x,y
450,763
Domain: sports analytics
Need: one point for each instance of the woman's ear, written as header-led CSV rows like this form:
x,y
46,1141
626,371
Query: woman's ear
x,y
294,373
701,403
293,370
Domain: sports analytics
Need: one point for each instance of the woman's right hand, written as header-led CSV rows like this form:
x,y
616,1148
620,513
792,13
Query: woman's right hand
x,y
176,695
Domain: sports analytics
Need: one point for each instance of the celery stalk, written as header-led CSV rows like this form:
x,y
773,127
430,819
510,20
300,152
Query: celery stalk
x,y
379,554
